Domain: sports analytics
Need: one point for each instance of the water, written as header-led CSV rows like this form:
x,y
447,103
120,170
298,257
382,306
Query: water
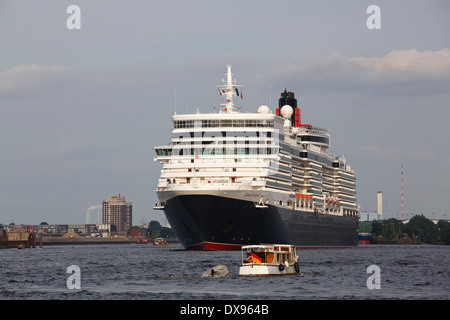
x,y
131,272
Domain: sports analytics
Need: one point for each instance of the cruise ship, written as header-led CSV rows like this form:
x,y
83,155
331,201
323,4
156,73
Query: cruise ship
x,y
231,178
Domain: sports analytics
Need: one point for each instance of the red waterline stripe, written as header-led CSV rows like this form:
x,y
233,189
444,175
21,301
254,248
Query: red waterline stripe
x,y
228,246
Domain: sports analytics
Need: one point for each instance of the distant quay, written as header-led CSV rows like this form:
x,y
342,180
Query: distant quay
x,y
85,240
48,241
32,240
30,236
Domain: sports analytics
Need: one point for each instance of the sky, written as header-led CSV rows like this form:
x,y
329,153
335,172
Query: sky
x,y
81,109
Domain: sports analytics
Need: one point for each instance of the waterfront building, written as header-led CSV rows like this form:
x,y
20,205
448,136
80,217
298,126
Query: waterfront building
x,y
83,229
117,211
369,216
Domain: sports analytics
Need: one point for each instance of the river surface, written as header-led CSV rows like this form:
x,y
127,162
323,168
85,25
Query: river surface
x,y
138,271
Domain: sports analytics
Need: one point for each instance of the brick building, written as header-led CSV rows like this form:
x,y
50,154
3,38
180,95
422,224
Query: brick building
x,y
117,211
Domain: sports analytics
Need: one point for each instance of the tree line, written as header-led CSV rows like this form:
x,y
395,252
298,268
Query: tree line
x,y
155,230
418,229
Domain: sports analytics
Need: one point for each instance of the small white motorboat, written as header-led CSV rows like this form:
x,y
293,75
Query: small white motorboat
x,y
269,259
160,242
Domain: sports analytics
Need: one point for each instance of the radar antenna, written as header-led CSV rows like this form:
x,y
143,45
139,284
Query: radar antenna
x,y
229,87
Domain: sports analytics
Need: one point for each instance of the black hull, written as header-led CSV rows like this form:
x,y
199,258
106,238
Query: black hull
x,y
212,222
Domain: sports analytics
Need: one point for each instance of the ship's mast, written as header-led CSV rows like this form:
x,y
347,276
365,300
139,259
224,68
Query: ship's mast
x,y
230,90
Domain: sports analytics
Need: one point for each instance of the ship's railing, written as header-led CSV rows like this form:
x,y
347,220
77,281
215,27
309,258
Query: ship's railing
x,y
313,130
214,182
205,185
220,163
223,123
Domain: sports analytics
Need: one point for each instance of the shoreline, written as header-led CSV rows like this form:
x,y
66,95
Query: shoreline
x,y
49,241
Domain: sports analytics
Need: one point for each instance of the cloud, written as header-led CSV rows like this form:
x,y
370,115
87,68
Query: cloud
x,y
398,71
407,65
29,79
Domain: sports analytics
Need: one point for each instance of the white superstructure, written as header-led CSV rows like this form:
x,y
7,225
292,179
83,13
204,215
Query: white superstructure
x,y
237,151
226,169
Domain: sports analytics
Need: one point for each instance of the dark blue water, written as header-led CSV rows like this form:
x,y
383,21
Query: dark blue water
x,y
135,271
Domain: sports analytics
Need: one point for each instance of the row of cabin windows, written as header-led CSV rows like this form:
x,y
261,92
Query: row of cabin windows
x,y
216,151
252,123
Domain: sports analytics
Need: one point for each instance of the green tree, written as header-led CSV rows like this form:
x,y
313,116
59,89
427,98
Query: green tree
x,y
444,231
167,233
388,229
154,228
421,227
377,228
391,229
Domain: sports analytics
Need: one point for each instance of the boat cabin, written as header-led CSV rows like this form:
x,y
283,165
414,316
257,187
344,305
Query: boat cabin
x,y
271,254
269,259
